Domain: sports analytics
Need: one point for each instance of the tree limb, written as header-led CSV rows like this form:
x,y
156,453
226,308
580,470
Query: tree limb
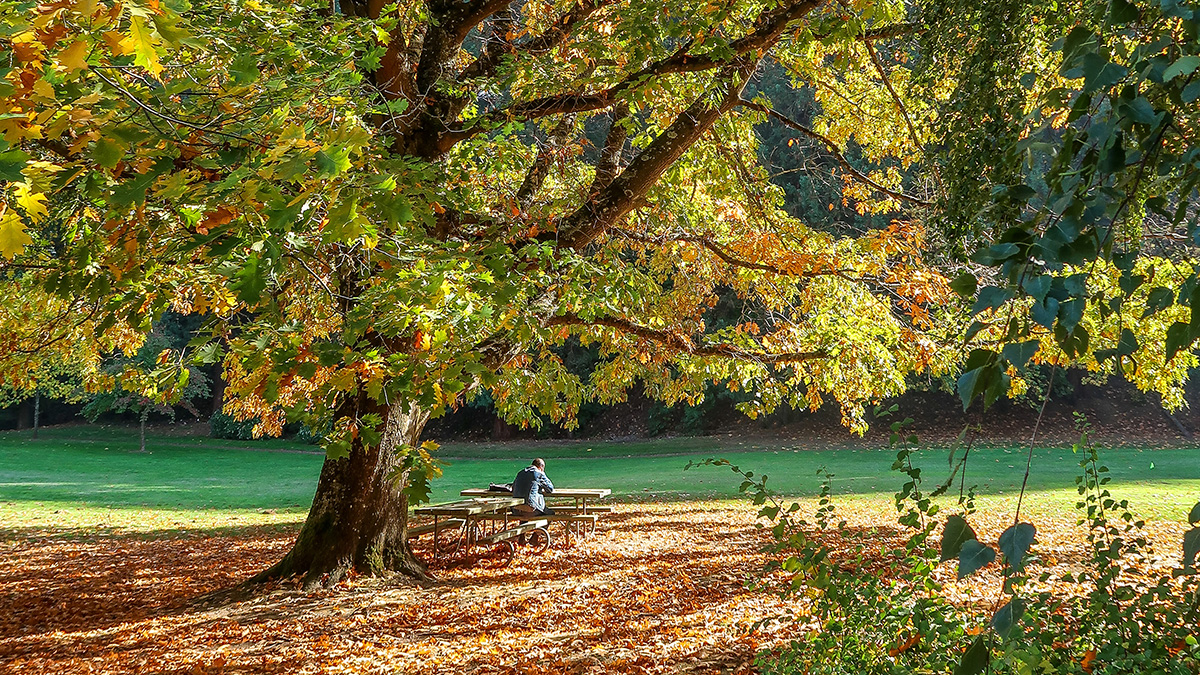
x,y
771,25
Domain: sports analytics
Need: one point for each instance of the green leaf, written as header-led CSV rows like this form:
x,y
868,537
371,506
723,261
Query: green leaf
x,y
964,284
1159,299
954,535
1194,516
990,297
332,163
1122,11
1191,546
1019,353
11,165
1179,337
1141,111
1007,617
144,52
108,152
250,281
1185,65
974,556
1014,543
1191,92
975,660
1128,343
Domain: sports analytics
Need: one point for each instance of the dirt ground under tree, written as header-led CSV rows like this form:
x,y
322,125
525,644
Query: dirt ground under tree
x,y
659,588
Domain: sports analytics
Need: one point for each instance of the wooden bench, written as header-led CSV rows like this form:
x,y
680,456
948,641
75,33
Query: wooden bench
x,y
579,509
505,535
453,523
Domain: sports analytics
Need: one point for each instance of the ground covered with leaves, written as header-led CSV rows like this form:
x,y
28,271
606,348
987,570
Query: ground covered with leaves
x,y
657,588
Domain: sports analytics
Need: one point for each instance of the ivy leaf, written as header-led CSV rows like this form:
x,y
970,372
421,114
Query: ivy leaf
x,y
956,533
1015,542
13,238
974,556
1194,516
1007,616
975,660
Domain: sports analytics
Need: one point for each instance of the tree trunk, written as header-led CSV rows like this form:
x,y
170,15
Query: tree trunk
x,y
358,518
37,413
142,431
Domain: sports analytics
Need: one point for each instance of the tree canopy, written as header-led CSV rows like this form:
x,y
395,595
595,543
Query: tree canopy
x,y
386,209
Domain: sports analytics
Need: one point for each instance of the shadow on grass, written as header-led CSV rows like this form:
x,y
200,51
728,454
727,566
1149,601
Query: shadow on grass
x,y
17,535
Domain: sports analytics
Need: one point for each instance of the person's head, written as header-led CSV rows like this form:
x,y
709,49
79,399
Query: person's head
x,y
539,464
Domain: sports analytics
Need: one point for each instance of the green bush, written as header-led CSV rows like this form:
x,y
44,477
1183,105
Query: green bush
x,y
872,612
225,426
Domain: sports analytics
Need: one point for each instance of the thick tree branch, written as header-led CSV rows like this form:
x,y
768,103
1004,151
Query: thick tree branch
x,y
537,173
610,155
684,344
630,187
833,150
771,25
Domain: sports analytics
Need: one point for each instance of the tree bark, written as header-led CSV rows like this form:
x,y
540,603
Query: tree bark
x,y
37,413
358,519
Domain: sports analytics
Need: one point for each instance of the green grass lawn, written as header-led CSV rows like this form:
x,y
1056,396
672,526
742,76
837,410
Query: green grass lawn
x,y
93,476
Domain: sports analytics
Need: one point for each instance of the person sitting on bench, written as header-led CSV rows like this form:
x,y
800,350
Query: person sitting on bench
x,y
530,484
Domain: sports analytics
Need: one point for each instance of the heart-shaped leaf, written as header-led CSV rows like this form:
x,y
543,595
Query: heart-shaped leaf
x,y
1014,544
1194,516
975,660
1191,546
973,556
1007,616
956,532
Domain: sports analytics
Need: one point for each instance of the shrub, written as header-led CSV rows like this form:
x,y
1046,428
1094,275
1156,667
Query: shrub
x,y
228,427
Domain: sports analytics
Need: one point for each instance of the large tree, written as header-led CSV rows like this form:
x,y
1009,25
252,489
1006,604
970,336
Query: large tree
x,y
385,209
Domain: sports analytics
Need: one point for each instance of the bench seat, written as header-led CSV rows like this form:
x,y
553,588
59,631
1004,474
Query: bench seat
x,y
453,523
579,509
505,535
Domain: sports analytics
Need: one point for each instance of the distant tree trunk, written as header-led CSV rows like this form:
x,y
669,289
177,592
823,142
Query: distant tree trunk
x,y
37,413
358,518
142,430
25,414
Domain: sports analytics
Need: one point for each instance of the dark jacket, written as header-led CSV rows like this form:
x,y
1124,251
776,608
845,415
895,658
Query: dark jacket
x,y
530,484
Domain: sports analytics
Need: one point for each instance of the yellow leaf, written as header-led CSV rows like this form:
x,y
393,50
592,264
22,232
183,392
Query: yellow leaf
x,y
143,40
74,58
86,7
43,91
13,238
33,202
118,43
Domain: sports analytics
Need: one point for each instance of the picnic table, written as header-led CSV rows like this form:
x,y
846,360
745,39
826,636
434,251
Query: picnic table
x,y
579,519
580,495
483,521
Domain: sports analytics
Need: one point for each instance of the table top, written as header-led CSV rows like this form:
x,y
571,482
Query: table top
x,y
558,492
469,507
